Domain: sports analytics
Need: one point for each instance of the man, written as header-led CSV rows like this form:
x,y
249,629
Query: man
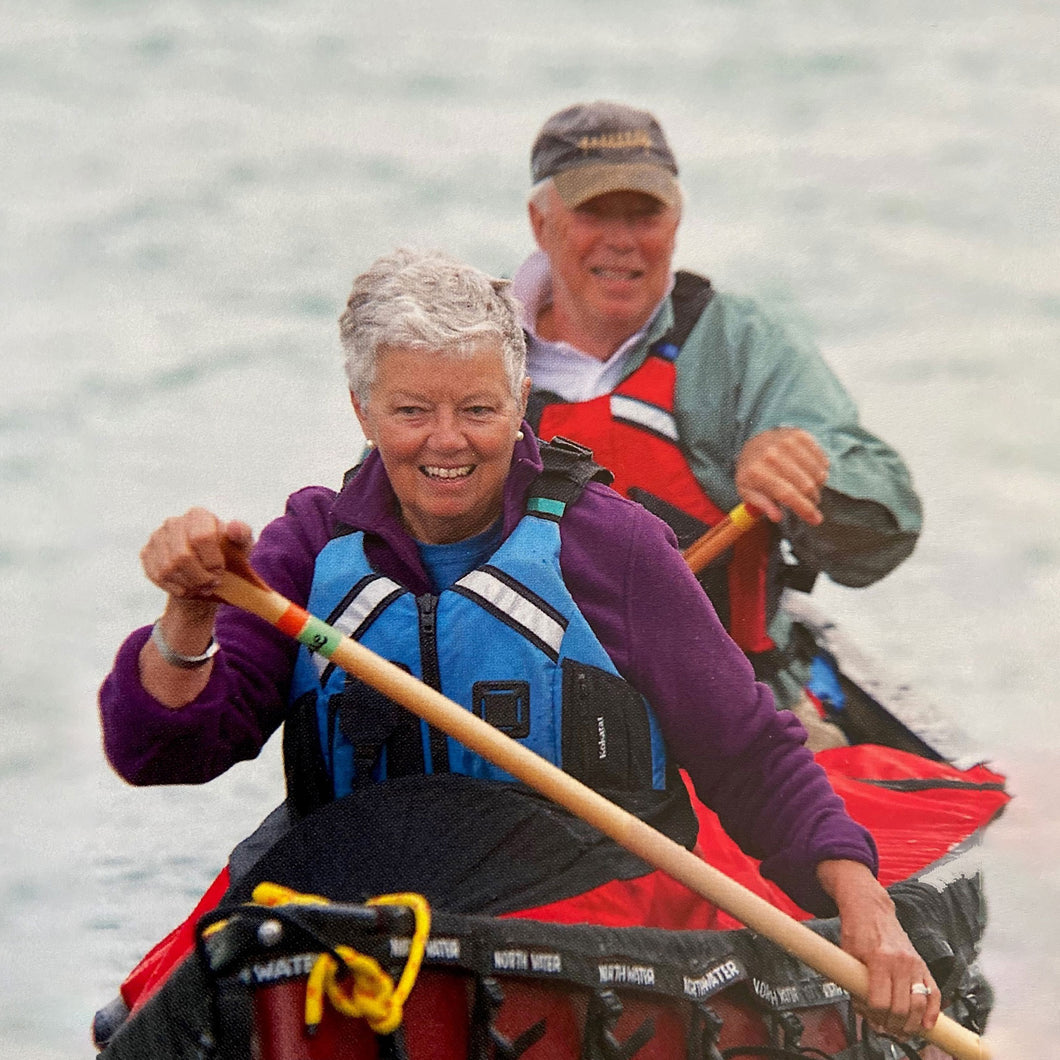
x,y
695,398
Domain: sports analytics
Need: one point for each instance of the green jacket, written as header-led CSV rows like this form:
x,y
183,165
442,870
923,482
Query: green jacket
x,y
740,373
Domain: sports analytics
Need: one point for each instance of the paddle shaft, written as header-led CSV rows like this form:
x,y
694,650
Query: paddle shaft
x,y
628,831
719,537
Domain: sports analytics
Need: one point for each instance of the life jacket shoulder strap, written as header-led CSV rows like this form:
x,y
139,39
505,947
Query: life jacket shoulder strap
x,y
692,294
569,468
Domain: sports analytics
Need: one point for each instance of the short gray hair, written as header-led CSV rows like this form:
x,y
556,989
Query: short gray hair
x,y
426,300
541,196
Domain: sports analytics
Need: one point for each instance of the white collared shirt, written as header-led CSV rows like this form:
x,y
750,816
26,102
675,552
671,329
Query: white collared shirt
x,y
560,367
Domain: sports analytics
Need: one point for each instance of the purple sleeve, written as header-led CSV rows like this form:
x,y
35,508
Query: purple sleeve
x,y
246,697
746,760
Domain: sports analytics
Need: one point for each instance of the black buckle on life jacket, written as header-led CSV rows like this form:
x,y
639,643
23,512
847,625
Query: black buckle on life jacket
x,y
569,468
503,704
564,456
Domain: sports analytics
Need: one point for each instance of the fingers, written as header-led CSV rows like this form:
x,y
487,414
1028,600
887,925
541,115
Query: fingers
x,y
898,1003
184,556
239,534
783,468
903,997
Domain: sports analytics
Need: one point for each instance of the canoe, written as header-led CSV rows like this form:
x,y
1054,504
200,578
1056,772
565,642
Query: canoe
x,y
531,950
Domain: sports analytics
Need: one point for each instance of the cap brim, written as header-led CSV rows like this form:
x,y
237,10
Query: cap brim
x,y
582,183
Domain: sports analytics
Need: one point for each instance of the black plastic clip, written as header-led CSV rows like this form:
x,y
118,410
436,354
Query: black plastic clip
x,y
791,1029
487,1043
704,1033
599,1042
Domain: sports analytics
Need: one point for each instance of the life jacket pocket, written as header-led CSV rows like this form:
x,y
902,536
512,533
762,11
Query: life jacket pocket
x,y
606,738
372,722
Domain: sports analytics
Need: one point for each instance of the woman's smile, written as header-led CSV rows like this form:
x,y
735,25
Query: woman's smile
x,y
448,472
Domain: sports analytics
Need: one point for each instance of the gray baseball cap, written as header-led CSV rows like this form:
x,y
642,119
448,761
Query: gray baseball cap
x,y
591,149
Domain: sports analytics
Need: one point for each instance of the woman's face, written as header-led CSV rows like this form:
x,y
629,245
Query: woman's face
x,y
445,428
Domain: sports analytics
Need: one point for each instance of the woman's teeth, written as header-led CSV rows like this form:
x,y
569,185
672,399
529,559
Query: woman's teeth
x,y
448,472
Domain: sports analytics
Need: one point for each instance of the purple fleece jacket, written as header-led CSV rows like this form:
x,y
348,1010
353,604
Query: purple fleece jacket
x,y
621,564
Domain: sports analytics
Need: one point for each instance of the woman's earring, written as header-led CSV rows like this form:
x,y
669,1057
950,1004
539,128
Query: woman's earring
x,y
369,444
519,436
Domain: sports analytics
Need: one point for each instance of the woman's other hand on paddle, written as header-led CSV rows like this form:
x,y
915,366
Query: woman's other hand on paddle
x,y
783,468
869,930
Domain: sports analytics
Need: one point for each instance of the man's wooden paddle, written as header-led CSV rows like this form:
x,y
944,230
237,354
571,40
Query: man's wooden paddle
x,y
720,536
241,586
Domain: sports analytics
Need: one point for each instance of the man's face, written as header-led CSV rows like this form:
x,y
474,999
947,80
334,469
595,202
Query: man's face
x,y
610,256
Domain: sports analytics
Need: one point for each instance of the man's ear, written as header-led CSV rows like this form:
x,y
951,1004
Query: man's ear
x,y
537,222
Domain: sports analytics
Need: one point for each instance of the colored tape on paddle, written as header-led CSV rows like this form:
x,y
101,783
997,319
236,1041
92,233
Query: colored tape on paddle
x,y
315,634
744,516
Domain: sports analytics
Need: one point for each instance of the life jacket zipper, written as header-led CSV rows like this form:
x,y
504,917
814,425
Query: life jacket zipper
x,y
436,743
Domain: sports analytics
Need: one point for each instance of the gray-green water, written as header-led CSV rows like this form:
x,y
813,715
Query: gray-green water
x,y
187,189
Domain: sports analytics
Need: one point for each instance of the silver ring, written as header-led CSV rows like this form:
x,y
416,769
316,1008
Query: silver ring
x,y
920,989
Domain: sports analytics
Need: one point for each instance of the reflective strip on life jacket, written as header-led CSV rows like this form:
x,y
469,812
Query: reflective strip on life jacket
x,y
514,605
660,421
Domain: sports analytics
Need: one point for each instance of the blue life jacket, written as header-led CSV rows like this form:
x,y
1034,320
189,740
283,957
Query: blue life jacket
x,y
506,641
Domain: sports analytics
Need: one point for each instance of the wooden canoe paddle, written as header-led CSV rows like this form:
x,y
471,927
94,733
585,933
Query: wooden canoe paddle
x,y
242,587
720,536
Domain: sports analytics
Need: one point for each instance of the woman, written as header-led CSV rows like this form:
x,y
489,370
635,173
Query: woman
x,y
435,361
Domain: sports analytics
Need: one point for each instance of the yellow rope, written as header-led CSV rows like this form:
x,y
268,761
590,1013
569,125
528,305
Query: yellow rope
x,y
358,987
276,894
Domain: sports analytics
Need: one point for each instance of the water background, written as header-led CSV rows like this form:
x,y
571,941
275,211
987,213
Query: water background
x,y
188,188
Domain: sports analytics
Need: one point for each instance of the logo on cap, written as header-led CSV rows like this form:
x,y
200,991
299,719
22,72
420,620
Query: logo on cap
x,y
619,141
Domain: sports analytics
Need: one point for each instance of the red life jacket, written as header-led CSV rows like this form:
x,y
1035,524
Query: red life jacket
x,y
632,432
